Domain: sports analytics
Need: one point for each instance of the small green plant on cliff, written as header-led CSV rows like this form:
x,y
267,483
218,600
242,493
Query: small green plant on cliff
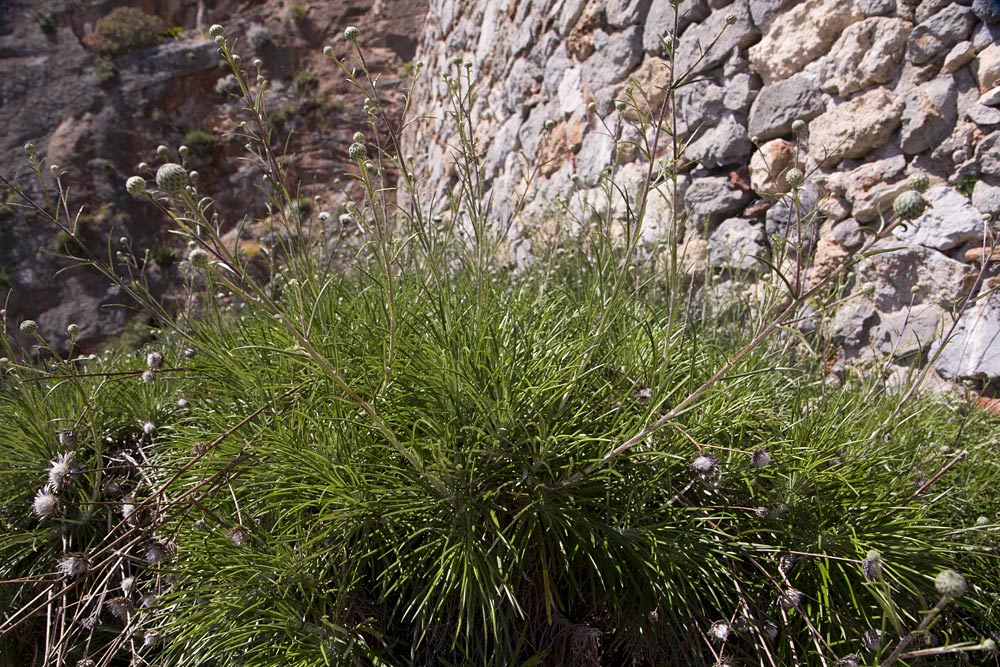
x,y
201,143
124,30
419,458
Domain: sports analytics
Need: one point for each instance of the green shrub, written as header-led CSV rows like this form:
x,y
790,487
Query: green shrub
x,y
124,30
299,13
106,73
46,24
201,143
305,81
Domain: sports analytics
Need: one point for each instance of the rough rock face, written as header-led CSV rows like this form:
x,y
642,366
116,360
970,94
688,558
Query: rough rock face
x,y
98,118
887,88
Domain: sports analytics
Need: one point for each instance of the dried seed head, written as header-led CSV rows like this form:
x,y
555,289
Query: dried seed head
x,y
128,583
120,608
238,534
760,458
871,640
790,599
909,205
951,584
148,376
158,552
46,504
704,465
719,631
172,178
199,448
73,566
61,471
872,565
154,360
852,660
149,428
150,639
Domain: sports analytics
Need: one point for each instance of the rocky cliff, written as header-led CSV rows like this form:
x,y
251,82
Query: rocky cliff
x,y
887,88
97,114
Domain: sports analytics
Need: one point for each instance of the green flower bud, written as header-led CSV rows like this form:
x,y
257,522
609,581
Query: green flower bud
x,y
172,178
198,257
29,327
909,205
163,151
136,186
795,177
549,124
72,330
799,126
950,584
183,151
328,51
731,18
29,148
220,41
357,151
358,138
216,30
351,34
918,181
257,63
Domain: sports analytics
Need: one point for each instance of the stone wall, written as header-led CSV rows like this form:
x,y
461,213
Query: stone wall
x,y
887,87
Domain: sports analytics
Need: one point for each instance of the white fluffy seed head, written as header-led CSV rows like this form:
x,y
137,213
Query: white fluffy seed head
x,y
703,464
154,360
61,471
46,504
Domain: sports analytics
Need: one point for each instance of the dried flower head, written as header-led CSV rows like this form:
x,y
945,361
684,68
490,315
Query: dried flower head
x,y
149,428
871,640
872,565
148,376
760,458
136,186
61,471
238,534
73,566
29,327
909,205
120,607
790,598
46,504
128,583
704,465
172,178
158,552
851,660
951,584
719,631
154,360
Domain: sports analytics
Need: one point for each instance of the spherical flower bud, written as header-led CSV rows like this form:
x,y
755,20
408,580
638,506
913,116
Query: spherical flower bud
x,y
136,186
143,166
918,181
257,63
163,151
351,34
795,177
328,51
220,41
237,61
799,126
46,504
549,124
29,148
72,330
951,584
357,151
216,30
982,521
194,175
592,107
172,178
198,257
358,138
909,205
731,18
29,327
868,289
620,105
183,151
